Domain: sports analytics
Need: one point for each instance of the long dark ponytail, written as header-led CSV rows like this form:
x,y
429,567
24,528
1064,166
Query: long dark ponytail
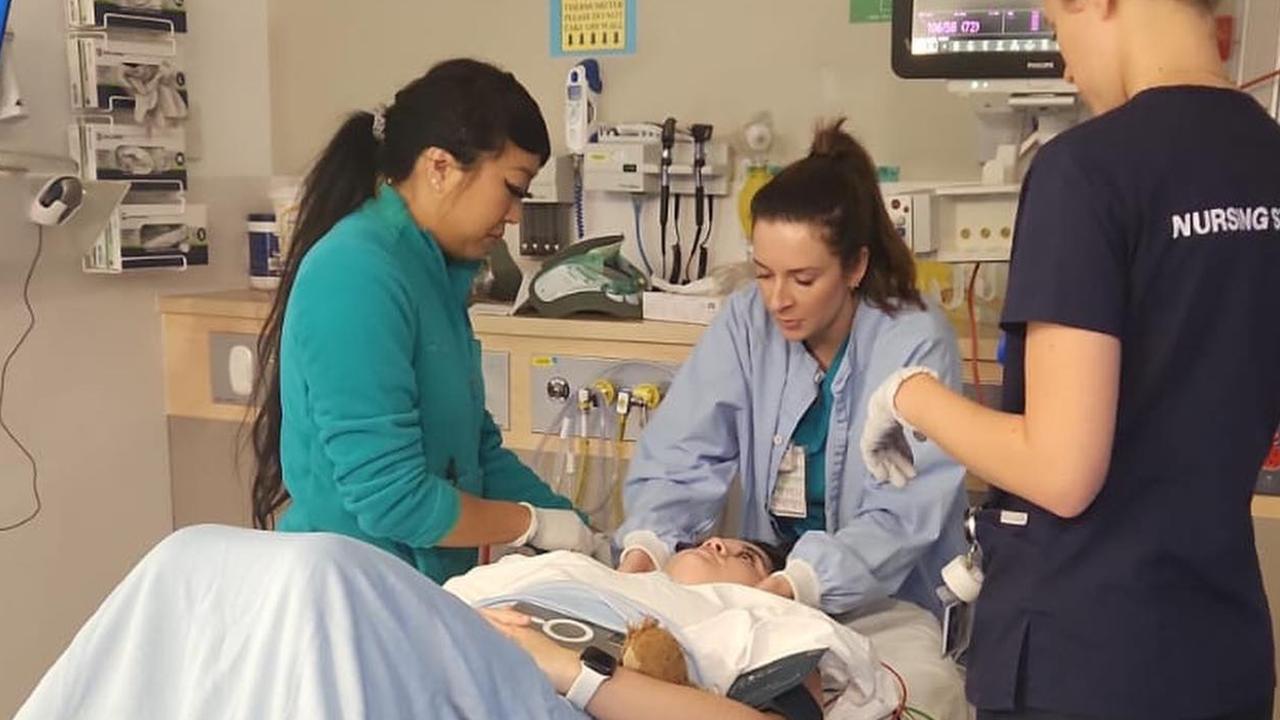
x,y
836,188
466,107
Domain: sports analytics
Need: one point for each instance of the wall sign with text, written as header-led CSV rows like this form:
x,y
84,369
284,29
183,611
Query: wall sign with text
x,y
595,27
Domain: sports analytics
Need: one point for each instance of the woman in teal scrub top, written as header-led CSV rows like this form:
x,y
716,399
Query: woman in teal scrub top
x,y
373,422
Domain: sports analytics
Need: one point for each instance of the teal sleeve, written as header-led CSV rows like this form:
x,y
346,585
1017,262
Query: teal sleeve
x,y
506,478
353,323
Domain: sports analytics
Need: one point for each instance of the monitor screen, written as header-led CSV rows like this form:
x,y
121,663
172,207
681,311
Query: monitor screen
x,y
956,26
4,20
974,39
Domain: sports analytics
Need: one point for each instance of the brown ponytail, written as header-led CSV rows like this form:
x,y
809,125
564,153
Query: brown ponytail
x,y
837,189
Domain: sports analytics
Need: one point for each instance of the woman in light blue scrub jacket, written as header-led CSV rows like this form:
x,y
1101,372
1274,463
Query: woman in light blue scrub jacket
x,y
775,394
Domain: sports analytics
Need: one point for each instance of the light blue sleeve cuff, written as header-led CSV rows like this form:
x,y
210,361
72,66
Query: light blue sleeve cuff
x,y
803,579
647,542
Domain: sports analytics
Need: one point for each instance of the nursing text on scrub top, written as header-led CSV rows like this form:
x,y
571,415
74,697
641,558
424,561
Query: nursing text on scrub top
x,y
1219,220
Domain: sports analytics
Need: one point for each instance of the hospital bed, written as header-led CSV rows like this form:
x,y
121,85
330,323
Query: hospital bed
x,y
908,640
339,629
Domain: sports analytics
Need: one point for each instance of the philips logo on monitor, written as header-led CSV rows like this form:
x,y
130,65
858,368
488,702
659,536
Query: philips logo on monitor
x,y
1040,65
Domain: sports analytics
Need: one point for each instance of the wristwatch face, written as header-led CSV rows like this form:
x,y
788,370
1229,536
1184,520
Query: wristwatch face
x,y
599,661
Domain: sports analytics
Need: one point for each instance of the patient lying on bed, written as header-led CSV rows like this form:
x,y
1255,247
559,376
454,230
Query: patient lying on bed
x,y
223,622
705,597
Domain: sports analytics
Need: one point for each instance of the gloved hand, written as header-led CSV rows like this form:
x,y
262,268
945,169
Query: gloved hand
x,y
642,551
553,529
885,449
603,550
637,561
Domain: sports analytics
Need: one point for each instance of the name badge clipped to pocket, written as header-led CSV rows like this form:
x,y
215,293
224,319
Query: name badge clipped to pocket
x,y
788,499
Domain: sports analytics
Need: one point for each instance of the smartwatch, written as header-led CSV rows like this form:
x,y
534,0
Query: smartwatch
x,y
597,666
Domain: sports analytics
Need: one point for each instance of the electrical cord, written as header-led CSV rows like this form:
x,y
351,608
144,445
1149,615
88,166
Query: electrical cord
x,y
902,688
4,375
973,334
703,251
1250,84
579,212
637,206
677,262
687,271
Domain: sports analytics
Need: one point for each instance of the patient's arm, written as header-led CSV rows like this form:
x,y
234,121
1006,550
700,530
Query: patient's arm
x,y
631,695
628,695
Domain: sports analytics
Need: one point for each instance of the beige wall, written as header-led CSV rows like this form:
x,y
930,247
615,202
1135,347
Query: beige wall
x,y
85,393
1256,45
718,61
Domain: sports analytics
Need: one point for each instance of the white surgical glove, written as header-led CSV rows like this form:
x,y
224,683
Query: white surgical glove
x,y
885,449
647,543
800,579
603,550
554,529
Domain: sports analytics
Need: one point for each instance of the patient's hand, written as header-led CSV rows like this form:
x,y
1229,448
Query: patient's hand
x,y
559,664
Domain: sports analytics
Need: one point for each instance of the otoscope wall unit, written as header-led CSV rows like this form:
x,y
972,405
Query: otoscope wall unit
x,y
633,164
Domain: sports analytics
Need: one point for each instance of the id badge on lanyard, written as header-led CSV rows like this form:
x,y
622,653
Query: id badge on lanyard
x,y
962,583
788,499
957,629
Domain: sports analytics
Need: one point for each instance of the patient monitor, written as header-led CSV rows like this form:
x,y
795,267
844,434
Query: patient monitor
x,y
1002,56
974,40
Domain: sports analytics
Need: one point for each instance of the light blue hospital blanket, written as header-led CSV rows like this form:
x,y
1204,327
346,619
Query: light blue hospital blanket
x,y
221,622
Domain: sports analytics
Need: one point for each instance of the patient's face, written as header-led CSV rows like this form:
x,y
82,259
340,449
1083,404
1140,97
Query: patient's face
x,y
720,560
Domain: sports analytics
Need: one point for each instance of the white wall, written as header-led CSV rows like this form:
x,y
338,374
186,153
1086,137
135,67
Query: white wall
x,y
85,393
1256,45
716,61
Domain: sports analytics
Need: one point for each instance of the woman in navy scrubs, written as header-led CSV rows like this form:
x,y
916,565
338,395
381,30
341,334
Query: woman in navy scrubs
x,y
1141,392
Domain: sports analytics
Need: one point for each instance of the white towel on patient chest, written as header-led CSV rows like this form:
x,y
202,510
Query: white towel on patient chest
x,y
727,629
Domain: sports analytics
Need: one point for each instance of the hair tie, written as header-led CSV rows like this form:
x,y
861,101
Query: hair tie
x,y
380,123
